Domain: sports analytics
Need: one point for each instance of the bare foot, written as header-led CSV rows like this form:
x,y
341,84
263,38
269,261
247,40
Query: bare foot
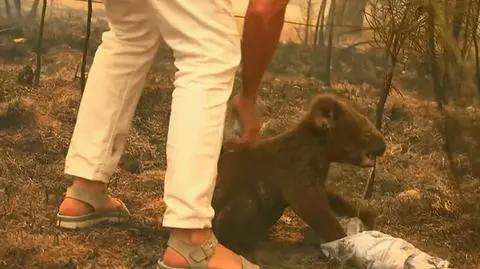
x,y
73,207
223,258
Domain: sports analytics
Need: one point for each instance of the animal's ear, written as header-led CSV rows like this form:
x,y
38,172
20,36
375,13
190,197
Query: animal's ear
x,y
325,113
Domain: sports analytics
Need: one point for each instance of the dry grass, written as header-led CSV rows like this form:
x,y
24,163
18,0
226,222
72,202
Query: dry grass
x,y
414,194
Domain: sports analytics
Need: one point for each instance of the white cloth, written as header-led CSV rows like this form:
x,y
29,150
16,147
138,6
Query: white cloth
x,y
376,250
206,45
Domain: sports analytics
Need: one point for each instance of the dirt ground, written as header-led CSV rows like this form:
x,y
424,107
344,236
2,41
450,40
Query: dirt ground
x,y
415,194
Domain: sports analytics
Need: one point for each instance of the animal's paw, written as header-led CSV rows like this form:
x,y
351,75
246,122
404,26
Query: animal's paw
x,y
368,217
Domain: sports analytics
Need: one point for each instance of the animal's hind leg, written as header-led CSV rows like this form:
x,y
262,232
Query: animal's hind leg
x,y
238,224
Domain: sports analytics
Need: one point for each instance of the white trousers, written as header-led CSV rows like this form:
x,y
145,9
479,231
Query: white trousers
x,y
206,45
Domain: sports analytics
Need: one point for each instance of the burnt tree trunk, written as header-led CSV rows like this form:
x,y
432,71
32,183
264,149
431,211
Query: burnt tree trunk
x,y
38,67
468,27
85,48
307,23
32,14
475,44
447,73
458,18
328,71
317,28
455,74
477,60
320,31
434,69
18,8
354,14
469,22
439,92
8,9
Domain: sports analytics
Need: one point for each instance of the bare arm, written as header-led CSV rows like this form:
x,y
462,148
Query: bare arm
x,y
261,32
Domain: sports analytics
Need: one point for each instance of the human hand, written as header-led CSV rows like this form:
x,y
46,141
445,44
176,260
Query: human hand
x,y
250,124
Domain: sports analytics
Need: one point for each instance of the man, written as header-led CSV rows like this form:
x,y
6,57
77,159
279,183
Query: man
x,y
204,39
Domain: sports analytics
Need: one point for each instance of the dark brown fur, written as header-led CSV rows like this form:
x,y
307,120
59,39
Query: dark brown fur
x,y
255,186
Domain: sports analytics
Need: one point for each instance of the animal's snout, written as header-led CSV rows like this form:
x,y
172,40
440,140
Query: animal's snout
x,y
378,147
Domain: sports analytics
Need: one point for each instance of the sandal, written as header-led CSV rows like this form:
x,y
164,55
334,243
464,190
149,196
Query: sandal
x,y
100,214
198,256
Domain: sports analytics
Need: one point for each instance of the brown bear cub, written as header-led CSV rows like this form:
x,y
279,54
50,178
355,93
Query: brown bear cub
x,y
255,186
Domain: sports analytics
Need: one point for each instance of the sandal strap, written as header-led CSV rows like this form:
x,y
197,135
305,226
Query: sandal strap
x,y
197,256
97,200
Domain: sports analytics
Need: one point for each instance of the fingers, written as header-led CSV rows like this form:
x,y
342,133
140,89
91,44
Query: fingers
x,y
238,144
250,124
247,140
